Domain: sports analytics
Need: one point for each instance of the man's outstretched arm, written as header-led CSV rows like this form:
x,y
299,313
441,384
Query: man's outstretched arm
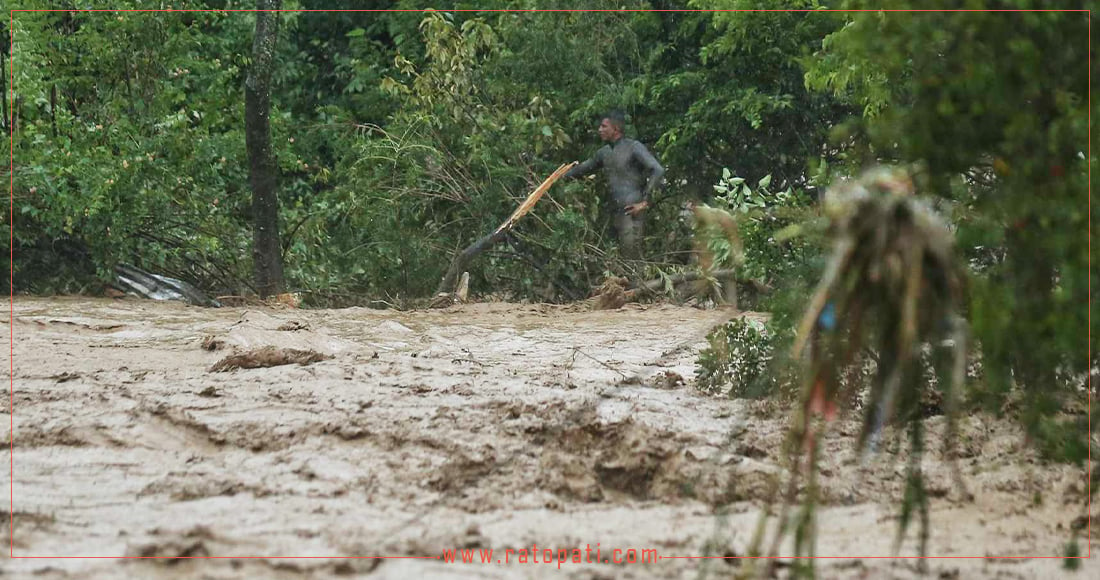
x,y
582,169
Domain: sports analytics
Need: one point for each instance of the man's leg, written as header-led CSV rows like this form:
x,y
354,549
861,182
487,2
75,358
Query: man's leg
x,y
630,230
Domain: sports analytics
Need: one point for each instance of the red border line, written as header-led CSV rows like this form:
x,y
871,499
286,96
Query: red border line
x,y
11,284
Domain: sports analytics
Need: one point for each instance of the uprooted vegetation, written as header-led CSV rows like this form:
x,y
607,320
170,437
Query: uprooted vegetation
x,y
268,356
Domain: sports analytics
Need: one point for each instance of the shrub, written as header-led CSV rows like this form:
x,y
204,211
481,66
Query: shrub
x,y
737,360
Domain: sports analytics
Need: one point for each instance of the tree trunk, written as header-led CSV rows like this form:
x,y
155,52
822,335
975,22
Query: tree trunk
x,y
458,265
1032,280
267,258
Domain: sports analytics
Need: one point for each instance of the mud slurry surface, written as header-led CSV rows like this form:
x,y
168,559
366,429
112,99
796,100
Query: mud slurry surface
x,y
481,426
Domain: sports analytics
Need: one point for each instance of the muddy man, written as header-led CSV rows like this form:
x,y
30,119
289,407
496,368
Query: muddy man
x,y
632,174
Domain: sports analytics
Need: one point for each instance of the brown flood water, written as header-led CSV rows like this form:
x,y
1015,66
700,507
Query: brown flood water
x,y
482,426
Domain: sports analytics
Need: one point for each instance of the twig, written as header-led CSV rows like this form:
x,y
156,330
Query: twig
x,y
577,349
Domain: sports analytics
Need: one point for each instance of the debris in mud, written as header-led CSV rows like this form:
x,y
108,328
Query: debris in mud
x,y
632,380
95,327
211,343
612,294
65,377
474,538
348,431
142,284
183,487
135,376
752,451
188,544
286,300
1081,523
442,300
294,325
268,356
208,392
354,567
668,380
357,566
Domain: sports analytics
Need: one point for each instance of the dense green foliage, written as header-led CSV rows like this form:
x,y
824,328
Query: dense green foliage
x,y
994,109
400,137
128,146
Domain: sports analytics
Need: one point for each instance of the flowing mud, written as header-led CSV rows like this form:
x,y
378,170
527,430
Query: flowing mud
x,y
480,426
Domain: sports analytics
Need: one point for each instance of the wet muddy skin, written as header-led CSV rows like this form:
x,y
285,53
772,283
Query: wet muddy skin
x,y
483,425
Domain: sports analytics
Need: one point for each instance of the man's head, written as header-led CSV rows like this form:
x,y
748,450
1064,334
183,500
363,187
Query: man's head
x,y
612,126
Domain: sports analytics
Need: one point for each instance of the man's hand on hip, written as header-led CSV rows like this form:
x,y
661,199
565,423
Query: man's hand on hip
x,y
636,208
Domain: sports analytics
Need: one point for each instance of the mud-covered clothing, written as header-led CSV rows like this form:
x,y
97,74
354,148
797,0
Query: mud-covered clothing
x,y
632,171
632,174
629,230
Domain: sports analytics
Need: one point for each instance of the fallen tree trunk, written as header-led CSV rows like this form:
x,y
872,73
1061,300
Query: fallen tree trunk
x,y
615,292
658,283
685,277
458,265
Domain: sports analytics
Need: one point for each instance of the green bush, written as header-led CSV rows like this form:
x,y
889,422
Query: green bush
x,y
737,361
781,233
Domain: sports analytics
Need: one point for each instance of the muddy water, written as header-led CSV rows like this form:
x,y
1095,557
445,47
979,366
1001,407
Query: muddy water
x,y
482,426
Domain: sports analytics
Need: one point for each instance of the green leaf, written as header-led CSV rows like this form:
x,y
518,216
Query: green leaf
x,y
546,131
356,33
765,181
725,173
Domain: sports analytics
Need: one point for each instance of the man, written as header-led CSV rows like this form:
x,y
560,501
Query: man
x,y
632,174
